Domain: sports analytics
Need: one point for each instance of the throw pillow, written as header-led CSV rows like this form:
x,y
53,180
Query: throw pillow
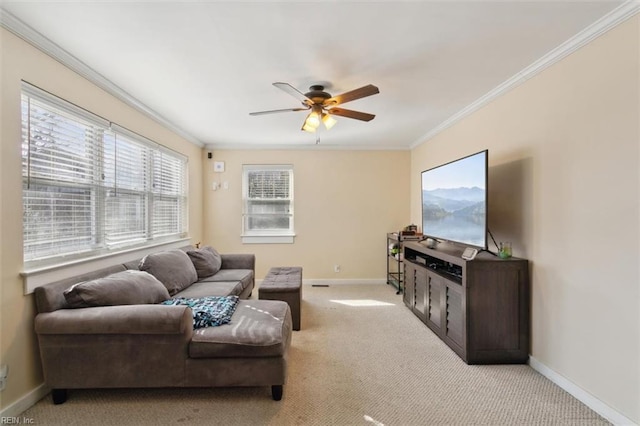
x,y
173,268
122,288
206,260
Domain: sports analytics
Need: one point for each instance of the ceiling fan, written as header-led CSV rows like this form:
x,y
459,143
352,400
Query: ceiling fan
x,y
323,105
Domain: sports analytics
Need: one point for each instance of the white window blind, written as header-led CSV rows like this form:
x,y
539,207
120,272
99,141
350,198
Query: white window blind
x,y
268,200
60,159
90,187
168,194
126,180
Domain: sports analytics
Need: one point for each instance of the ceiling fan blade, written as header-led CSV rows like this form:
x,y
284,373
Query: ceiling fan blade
x,y
351,114
273,111
294,92
352,95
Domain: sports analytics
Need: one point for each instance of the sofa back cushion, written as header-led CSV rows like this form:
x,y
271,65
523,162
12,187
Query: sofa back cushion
x,y
206,260
122,288
173,268
50,297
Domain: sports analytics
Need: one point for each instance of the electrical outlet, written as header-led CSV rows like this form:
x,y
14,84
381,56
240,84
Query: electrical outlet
x,y
4,373
336,268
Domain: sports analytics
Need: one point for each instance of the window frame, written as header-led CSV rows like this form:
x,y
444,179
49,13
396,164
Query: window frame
x,y
267,236
104,188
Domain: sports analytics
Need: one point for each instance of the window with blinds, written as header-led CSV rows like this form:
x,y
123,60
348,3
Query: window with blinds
x,y
91,187
268,200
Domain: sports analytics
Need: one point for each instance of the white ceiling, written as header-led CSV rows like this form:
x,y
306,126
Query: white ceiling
x,y
204,65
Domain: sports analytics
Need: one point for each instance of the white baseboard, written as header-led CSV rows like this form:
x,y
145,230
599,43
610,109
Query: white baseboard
x,y
580,394
332,281
24,403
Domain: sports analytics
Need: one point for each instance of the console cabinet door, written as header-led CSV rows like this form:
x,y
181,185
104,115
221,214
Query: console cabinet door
x,y
420,308
435,288
409,285
454,329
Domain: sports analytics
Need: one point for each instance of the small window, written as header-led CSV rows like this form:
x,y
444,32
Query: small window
x,y
267,192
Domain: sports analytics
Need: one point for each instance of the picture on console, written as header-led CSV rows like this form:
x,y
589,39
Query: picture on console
x,y
454,201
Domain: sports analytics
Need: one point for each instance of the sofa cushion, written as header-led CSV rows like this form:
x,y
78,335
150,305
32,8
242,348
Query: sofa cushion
x,y
204,289
245,276
50,297
258,328
206,260
121,288
173,268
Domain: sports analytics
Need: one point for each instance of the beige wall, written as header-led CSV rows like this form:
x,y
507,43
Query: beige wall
x,y
21,61
564,188
345,202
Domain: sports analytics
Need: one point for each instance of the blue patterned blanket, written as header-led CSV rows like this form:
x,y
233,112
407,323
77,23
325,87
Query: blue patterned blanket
x,y
208,311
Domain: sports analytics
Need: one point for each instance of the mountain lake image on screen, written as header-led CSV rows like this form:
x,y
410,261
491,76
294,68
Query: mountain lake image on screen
x,y
454,201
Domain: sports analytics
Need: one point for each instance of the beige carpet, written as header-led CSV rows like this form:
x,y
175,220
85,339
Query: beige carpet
x,y
349,365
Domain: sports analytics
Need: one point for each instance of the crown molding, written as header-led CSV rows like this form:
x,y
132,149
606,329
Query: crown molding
x,y
309,147
40,42
593,31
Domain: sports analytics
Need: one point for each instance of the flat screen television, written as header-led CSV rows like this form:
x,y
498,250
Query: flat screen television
x,y
454,201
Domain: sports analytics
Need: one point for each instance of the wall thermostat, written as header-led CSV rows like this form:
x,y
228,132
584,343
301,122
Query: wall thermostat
x,y
218,166
469,253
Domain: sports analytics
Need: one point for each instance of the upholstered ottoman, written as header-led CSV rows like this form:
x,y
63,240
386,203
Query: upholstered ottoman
x,y
284,283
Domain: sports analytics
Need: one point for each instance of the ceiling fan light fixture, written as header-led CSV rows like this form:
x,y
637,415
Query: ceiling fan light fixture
x,y
313,120
319,101
308,128
328,121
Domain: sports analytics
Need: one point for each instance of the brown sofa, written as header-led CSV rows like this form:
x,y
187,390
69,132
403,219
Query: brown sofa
x,y
146,344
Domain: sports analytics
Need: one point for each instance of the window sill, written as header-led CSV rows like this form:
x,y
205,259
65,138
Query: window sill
x,y
268,239
36,277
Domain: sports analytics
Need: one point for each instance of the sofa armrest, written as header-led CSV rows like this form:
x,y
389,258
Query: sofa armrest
x,y
238,261
128,319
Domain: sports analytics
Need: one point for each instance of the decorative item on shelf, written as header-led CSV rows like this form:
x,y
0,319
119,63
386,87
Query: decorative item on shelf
x,y
409,230
409,233
504,250
432,243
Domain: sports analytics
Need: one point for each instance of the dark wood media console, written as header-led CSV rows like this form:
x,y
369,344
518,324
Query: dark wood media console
x,y
479,307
